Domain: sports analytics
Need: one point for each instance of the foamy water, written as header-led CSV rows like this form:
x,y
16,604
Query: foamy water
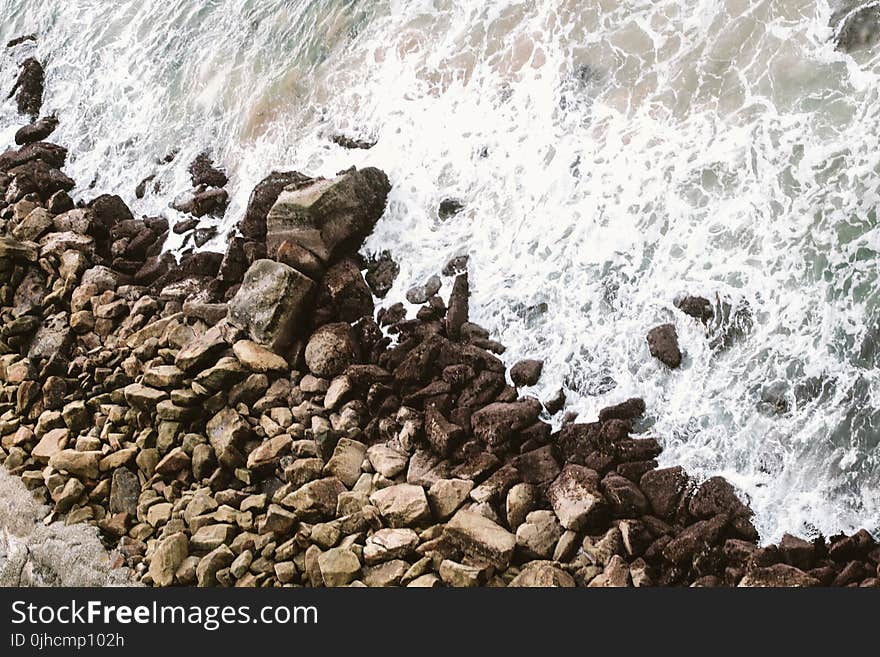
x,y
611,157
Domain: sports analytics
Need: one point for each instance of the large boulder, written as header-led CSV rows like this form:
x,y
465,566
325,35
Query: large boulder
x,y
330,350
328,217
253,226
271,303
663,344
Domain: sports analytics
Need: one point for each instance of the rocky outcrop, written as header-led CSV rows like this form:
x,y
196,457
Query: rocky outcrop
x,y
234,420
28,89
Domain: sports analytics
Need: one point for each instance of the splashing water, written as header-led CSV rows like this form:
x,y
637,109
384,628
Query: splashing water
x,y
610,157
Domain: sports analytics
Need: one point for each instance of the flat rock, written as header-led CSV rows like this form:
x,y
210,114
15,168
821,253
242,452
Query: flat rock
x,y
481,538
257,358
403,505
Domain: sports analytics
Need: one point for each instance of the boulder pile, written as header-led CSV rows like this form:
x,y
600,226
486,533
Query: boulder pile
x,y
249,418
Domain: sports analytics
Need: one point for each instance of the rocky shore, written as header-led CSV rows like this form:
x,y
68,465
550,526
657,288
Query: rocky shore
x,y
250,418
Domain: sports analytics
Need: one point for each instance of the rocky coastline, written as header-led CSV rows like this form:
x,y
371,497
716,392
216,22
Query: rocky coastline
x,y
250,418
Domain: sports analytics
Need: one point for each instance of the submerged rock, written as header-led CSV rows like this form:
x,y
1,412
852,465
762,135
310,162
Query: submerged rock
x,y
663,344
28,89
856,25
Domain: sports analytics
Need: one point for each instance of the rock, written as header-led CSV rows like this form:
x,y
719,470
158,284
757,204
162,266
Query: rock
x,y
389,573
694,539
210,537
52,339
328,217
316,499
50,444
350,143
301,259
663,488
447,495
345,464
458,306
855,25
797,552
388,544
269,452
253,226
203,172
17,250
211,563
542,574
575,497
330,350
778,575
663,344
459,575
480,538
144,397
626,410
338,566
448,208
227,431
79,464
716,495
28,88
697,307
443,435
615,575
624,498
36,131
161,376
32,227
271,303
403,505
125,488
381,273
167,556
537,536
199,352
521,500
339,390
348,291
496,423
526,372
257,358
202,201
387,461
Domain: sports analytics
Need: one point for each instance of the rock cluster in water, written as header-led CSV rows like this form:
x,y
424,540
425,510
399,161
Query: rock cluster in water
x,y
249,418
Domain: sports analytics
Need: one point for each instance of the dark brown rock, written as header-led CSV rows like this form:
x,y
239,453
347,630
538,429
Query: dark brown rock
x,y
526,372
28,89
663,344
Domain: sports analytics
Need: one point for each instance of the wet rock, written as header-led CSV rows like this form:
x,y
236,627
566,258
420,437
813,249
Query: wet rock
x,y
481,538
348,291
329,217
778,575
697,307
28,88
663,488
626,410
457,312
856,25
330,350
526,372
403,505
350,143
301,259
496,423
253,226
663,344
203,172
448,208
443,435
624,498
576,498
693,539
714,496
271,303
421,293
381,273
36,131
200,202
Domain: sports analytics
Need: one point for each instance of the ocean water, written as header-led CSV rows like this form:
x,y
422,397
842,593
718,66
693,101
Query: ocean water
x,y
611,156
